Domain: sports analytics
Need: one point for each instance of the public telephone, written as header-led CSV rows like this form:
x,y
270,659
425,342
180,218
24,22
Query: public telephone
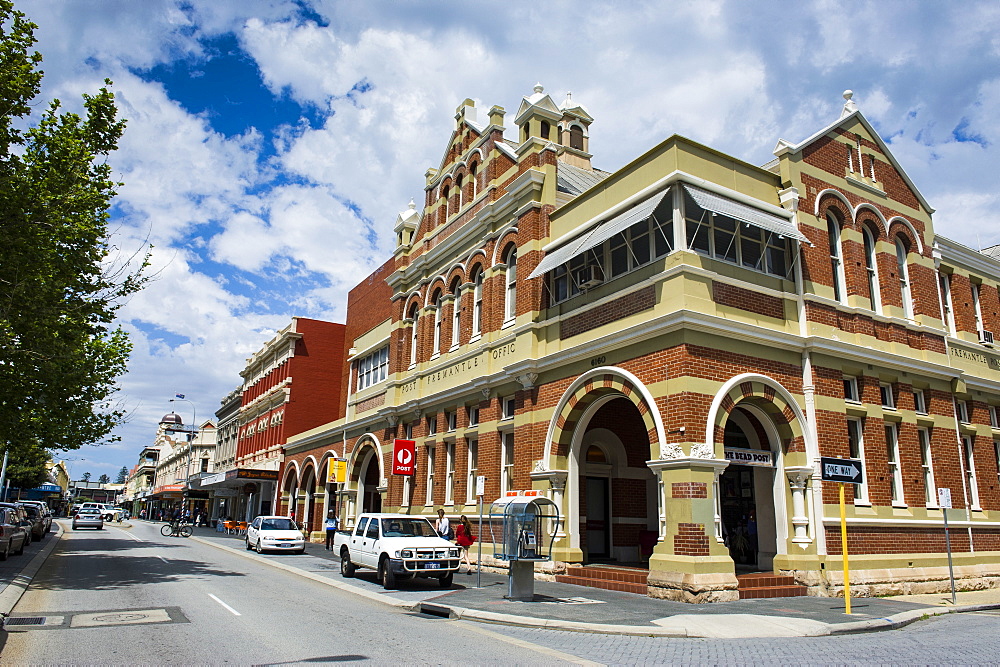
x,y
529,545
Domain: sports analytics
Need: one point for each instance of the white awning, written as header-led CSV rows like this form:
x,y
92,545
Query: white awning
x,y
767,221
599,234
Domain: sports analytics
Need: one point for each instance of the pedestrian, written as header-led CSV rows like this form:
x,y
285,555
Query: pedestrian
x,y
443,526
465,539
332,524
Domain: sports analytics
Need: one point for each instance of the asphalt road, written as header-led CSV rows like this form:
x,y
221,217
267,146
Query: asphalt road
x,y
132,596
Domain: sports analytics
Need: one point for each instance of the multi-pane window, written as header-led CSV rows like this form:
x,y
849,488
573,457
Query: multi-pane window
x,y
903,272
856,441
450,420
510,287
438,317
836,257
729,240
373,368
477,303
927,465
871,269
635,247
977,308
456,314
851,390
432,424
449,487
507,457
994,418
429,500
507,407
962,410
473,415
948,313
408,431
413,335
473,470
920,401
885,391
968,454
892,460
996,454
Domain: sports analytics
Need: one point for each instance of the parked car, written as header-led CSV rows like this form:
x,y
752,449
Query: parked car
x,y
37,524
276,533
88,517
13,536
21,517
398,547
44,509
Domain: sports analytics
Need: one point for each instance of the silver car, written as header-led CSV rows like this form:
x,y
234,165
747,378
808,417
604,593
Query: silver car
x,y
13,536
89,517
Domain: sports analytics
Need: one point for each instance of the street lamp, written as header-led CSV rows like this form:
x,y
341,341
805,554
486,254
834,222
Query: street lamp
x,y
190,437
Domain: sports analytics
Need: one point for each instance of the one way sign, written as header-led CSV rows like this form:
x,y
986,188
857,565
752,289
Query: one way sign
x,y
849,471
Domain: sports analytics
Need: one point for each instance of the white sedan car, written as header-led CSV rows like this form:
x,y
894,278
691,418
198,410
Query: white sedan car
x,y
275,533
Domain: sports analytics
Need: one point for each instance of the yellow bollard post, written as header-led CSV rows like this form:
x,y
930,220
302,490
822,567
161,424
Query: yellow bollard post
x,y
843,550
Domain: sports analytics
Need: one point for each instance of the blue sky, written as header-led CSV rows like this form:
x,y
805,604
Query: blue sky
x,y
270,145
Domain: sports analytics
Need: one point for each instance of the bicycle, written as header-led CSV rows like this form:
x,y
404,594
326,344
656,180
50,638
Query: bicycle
x,y
176,530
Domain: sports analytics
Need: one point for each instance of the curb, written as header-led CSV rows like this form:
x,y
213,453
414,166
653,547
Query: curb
x,y
11,595
893,622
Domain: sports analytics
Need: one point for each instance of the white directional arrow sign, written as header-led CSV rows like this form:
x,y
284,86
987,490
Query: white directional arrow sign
x,y
848,471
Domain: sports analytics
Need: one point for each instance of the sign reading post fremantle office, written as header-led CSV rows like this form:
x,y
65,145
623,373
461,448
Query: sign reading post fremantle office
x,y
763,458
467,367
983,358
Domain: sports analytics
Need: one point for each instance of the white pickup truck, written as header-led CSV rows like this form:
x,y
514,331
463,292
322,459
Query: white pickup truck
x,y
397,546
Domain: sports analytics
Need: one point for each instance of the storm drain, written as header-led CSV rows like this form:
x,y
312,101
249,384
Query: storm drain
x,y
27,620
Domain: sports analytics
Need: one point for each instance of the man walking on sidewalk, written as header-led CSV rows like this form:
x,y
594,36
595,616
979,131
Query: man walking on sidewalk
x,y
332,523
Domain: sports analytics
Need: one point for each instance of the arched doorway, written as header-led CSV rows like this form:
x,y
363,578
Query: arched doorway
x,y
371,497
748,488
309,517
616,492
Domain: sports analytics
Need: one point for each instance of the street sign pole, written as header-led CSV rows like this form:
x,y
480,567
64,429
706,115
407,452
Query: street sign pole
x,y
944,501
843,471
843,550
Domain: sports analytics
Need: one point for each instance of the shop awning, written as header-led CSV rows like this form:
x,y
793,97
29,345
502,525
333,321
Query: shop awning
x,y
599,234
734,209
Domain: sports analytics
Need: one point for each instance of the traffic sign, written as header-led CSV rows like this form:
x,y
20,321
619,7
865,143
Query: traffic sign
x,y
848,471
944,498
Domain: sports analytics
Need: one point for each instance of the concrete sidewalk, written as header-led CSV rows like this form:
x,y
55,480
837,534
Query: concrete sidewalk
x,y
570,607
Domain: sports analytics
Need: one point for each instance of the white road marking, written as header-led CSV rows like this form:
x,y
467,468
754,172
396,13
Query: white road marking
x,y
528,645
164,559
235,613
128,533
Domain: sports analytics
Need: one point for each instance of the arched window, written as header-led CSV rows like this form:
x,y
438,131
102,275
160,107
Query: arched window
x,y
477,302
456,312
438,316
461,193
472,179
413,335
510,282
871,268
545,129
446,193
836,258
904,278
576,137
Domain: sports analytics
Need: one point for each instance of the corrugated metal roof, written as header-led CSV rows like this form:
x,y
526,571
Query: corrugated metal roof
x,y
574,180
993,252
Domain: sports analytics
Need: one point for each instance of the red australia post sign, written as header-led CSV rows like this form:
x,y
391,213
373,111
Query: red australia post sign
x,y
404,457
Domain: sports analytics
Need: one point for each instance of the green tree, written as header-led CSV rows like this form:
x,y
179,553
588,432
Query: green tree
x,y
122,475
61,280
30,469
103,479
86,477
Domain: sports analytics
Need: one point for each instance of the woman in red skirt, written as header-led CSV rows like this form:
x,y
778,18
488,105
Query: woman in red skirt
x,y
465,539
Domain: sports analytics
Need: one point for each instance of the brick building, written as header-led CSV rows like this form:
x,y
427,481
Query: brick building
x,y
290,385
667,351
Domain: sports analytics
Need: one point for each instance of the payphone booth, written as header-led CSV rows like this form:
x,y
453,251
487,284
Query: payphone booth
x,y
528,526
